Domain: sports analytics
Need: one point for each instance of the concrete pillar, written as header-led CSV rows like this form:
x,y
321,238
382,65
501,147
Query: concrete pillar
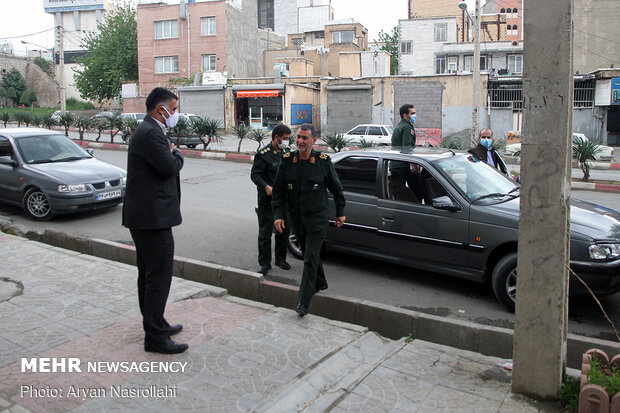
x,y
542,282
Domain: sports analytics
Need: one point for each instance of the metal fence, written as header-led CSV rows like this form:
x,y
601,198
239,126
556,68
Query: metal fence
x,y
509,95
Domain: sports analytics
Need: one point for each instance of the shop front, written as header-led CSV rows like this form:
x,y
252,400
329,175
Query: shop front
x,y
260,106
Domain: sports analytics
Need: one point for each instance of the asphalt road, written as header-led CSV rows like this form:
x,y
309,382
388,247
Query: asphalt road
x,y
220,226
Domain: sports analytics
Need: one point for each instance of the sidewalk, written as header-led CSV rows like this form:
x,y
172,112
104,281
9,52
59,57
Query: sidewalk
x,y
243,355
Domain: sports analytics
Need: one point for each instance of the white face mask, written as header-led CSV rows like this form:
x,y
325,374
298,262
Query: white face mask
x,y
172,120
283,145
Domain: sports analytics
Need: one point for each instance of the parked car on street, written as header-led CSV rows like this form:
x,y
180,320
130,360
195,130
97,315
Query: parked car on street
x,y
190,139
47,174
102,115
56,115
380,135
604,153
138,117
462,220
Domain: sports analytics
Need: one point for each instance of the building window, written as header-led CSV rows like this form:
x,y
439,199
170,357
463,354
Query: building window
x,y
208,62
509,12
319,35
167,64
515,13
208,26
441,32
453,64
344,36
440,64
515,64
406,47
503,10
167,29
265,14
583,93
514,30
468,63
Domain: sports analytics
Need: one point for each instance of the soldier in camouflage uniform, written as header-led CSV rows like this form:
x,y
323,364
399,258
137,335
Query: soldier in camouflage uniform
x,y
266,162
301,184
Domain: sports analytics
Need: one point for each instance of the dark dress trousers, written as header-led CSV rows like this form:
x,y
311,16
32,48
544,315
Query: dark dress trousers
x,y
150,209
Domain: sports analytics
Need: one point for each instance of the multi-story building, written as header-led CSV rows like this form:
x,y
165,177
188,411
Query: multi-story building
x,y
513,11
294,16
76,18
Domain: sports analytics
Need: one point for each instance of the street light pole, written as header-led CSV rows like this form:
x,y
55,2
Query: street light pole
x,y
476,71
476,78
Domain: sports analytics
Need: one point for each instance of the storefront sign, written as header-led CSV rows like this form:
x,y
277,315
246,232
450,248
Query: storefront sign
x,y
615,91
301,114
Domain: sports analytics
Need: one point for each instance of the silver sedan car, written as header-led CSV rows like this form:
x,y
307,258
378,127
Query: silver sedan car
x,y
47,174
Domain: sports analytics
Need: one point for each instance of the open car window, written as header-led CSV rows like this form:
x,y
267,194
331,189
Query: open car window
x,y
358,174
411,182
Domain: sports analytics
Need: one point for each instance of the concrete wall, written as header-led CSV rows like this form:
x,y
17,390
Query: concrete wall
x,y
244,53
600,48
378,65
424,47
297,94
350,65
45,88
591,122
285,17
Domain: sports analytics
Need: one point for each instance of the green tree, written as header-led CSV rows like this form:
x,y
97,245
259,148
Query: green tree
x,y
207,130
5,117
241,131
2,95
11,93
111,56
66,121
14,79
585,151
115,123
82,123
32,97
389,43
24,99
337,141
259,135
44,65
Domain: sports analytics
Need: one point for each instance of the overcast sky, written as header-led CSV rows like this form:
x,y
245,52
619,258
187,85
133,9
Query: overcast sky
x,y
20,19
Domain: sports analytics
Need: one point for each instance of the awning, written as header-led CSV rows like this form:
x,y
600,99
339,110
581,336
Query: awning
x,y
269,93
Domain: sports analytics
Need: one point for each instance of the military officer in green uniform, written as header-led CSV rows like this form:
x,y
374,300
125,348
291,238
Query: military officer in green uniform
x,y
403,139
301,184
266,162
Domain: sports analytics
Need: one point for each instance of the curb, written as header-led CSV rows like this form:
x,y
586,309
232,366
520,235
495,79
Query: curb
x,y
391,322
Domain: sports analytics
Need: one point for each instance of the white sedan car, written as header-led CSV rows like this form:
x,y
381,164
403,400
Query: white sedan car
x,y
380,135
604,153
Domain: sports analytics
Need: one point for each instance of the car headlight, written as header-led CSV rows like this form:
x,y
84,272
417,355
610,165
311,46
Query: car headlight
x,y
604,251
72,188
124,180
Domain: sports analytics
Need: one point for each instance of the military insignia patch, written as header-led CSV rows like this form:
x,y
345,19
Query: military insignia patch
x,y
286,155
290,186
313,160
294,159
323,156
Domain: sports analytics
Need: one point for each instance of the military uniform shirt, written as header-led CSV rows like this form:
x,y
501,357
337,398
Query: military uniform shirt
x,y
265,167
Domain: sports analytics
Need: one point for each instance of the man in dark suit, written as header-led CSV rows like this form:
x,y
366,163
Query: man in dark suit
x,y
151,208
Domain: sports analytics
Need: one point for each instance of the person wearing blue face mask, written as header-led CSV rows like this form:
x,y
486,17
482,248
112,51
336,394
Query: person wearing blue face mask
x,y
403,139
485,152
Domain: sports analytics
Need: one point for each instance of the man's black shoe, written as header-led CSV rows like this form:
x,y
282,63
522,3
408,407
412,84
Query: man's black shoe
x,y
321,286
301,310
166,347
175,329
283,264
264,269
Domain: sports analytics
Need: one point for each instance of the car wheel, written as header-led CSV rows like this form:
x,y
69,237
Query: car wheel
x,y
36,205
294,247
504,280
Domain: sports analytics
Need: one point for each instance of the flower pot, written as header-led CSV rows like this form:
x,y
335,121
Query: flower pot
x,y
592,397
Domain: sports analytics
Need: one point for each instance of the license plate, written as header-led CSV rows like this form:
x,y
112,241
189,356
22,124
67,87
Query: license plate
x,y
108,195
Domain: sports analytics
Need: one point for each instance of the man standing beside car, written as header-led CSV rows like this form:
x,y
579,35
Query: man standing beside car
x,y
150,210
264,169
301,184
485,152
403,139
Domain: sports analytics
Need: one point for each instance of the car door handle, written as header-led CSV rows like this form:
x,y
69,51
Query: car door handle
x,y
387,219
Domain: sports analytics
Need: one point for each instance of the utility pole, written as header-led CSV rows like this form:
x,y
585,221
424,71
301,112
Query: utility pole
x,y
476,77
61,77
541,319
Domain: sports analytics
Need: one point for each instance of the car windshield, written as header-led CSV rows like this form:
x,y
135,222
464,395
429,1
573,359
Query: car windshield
x,y
389,129
140,116
49,148
475,178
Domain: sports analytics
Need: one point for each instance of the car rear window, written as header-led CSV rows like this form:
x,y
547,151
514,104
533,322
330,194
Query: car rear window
x,y
358,174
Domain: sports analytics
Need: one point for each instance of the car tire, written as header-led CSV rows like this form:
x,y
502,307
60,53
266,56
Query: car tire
x,y
504,280
36,205
294,247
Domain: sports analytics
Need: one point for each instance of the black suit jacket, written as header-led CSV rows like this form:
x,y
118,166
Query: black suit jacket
x,y
153,195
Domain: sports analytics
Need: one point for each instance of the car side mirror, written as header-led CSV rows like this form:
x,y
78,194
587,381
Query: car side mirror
x,y
445,203
91,152
7,160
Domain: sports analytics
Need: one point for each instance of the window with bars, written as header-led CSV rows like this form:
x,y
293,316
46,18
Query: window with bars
x,y
440,64
167,29
167,64
208,26
583,94
505,95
